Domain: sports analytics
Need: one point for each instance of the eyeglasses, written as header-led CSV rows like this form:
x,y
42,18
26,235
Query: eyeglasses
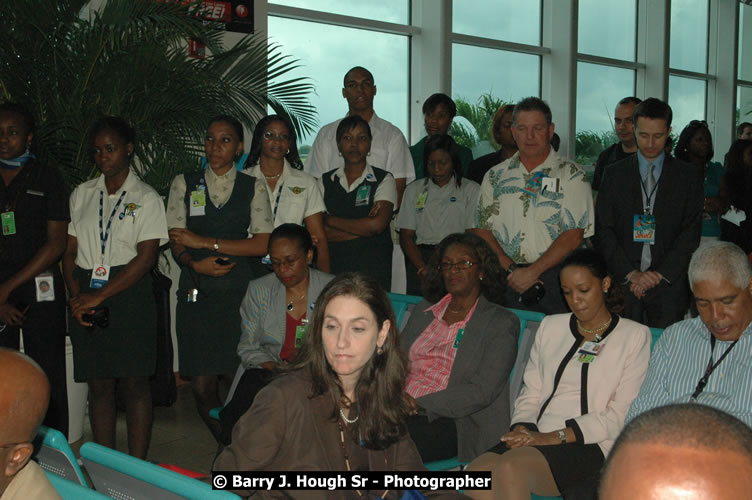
x,y
448,266
271,136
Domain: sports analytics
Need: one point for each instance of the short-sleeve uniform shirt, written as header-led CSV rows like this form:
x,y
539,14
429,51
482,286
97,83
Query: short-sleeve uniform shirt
x,y
434,212
525,224
140,216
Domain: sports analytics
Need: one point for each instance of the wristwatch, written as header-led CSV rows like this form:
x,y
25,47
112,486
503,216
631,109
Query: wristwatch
x,y
216,244
562,435
511,267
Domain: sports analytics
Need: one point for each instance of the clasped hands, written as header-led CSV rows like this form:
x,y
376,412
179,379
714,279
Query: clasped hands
x,y
642,281
522,279
522,436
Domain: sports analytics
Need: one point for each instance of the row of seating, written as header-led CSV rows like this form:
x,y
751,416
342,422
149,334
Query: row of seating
x,y
113,474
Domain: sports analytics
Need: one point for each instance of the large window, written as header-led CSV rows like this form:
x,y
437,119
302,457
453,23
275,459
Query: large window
x,y
508,20
393,11
686,96
607,28
744,90
689,35
326,52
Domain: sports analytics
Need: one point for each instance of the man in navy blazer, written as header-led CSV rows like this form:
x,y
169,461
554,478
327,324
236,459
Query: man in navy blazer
x,y
648,221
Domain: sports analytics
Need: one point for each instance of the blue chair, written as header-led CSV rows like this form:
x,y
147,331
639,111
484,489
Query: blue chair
x,y
400,303
121,476
69,490
53,454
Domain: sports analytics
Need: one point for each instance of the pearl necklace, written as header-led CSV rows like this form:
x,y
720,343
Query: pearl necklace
x,y
270,177
347,420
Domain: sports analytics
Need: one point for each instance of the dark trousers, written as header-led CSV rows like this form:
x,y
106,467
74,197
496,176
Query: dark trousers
x,y
413,281
251,382
435,440
44,342
553,301
662,306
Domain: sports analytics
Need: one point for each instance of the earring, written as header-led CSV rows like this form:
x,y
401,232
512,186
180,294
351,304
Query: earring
x,y
288,151
379,351
605,290
340,153
369,154
481,278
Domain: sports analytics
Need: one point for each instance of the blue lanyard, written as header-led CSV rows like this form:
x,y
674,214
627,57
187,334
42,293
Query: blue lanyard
x,y
103,236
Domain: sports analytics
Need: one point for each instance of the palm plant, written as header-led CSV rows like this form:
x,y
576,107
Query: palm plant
x,y
480,116
71,64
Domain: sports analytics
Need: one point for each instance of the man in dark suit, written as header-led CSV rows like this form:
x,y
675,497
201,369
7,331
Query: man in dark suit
x,y
648,221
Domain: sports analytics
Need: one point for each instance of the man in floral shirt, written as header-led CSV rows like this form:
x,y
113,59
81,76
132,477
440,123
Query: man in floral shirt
x,y
534,209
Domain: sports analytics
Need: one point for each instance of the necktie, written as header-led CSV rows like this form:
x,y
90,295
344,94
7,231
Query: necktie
x,y
646,257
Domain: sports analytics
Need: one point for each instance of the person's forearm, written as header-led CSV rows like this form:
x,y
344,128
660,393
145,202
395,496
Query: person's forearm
x,y
410,249
562,246
315,225
69,264
249,247
335,235
400,184
44,258
133,271
363,226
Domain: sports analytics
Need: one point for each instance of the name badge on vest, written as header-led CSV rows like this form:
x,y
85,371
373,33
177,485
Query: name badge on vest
x,y
9,223
45,287
362,195
198,202
100,275
644,228
589,351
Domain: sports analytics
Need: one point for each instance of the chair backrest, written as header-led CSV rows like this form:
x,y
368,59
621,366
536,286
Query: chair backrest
x,y
400,303
69,490
529,322
656,334
53,454
124,477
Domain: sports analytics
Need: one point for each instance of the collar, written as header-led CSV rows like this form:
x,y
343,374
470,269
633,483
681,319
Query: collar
x,y
707,334
128,185
439,308
228,176
551,160
657,163
368,174
255,171
374,119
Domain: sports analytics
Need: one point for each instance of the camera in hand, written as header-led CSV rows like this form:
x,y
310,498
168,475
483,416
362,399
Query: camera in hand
x,y
532,295
100,317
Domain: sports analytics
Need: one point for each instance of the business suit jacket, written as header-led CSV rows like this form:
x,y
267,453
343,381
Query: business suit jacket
x,y
287,430
678,215
263,314
477,394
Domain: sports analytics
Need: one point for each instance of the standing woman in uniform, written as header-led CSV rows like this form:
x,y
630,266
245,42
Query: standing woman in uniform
x,y
117,224
293,195
217,219
34,207
360,200
432,208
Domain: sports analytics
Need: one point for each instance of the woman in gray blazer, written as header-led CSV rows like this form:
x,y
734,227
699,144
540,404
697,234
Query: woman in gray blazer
x,y
274,315
461,347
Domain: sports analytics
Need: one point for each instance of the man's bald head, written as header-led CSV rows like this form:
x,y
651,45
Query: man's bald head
x,y
688,451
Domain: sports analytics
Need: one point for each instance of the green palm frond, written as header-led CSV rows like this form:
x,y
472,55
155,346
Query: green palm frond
x,y
72,65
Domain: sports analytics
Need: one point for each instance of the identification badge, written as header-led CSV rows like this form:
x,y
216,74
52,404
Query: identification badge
x,y
99,276
644,228
362,195
300,332
198,202
550,184
192,295
458,338
533,186
45,287
266,259
589,351
9,223
420,203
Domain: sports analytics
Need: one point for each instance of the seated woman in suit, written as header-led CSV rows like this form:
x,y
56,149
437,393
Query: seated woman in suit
x,y
585,368
274,315
461,347
340,406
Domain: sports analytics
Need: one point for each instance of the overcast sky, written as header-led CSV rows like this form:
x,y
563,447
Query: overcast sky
x,y
606,28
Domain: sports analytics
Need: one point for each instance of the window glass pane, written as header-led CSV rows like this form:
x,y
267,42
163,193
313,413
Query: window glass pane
x,y
314,44
599,88
606,28
483,90
745,39
743,104
509,20
689,35
393,11
686,96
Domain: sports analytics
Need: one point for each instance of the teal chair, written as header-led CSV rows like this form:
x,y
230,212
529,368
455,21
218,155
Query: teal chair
x,y
69,490
53,454
400,303
122,476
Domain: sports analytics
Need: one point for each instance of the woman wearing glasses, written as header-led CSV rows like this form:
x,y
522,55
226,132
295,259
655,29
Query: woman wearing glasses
x,y
461,347
293,195
695,146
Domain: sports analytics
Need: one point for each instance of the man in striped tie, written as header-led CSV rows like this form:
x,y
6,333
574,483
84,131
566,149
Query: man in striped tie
x,y
648,221
706,360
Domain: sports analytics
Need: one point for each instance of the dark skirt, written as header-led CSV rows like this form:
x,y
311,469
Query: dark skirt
x,y
424,434
125,348
208,332
574,466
